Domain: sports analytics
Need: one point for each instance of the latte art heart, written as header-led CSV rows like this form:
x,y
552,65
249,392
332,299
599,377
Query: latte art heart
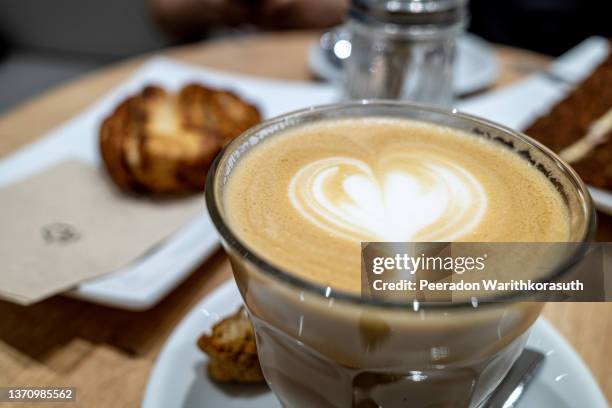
x,y
407,198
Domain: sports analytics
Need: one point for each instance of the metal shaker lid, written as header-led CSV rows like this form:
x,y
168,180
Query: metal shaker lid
x,y
408,12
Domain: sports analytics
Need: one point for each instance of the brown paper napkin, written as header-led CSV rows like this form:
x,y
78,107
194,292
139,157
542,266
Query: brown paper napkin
x,y
68,223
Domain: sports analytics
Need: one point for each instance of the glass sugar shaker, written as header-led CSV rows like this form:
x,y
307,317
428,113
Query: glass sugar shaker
x,y
403,49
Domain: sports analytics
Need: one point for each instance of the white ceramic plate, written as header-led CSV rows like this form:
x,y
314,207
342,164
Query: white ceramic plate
x,y
178,378
476,67
144,282
602,199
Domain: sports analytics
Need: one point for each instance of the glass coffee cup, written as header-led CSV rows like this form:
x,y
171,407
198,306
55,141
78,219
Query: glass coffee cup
x,y
320,347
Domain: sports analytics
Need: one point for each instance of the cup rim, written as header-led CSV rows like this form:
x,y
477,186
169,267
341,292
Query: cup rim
x,y
286,277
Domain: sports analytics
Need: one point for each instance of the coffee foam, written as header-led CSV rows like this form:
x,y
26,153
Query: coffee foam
x,y
306,197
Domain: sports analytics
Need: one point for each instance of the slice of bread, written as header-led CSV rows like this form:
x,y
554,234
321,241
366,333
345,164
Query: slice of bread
x,y
232,350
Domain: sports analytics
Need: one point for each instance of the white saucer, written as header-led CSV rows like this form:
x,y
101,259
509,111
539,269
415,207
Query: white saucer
x,y
178,378
476,67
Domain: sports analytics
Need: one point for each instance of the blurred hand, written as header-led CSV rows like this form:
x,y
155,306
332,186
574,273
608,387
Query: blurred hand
x,y
190,17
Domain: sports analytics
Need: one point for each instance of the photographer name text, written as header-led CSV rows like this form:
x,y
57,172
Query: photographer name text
x,y
485,284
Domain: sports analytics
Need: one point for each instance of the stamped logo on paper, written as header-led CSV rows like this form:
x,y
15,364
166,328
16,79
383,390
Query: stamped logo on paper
x,y
59,232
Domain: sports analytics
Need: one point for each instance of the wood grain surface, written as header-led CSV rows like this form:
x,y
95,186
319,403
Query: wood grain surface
x,y
107,354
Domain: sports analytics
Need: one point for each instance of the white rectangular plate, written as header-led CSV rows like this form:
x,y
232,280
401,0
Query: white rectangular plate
x,y
143,283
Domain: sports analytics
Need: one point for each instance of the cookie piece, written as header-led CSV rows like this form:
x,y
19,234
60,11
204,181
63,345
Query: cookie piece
x,y
232,350
162,143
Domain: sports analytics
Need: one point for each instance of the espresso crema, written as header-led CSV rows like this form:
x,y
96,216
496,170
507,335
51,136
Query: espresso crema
x,y
305,198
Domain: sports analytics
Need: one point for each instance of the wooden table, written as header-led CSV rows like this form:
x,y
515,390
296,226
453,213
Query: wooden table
x,y
107,354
